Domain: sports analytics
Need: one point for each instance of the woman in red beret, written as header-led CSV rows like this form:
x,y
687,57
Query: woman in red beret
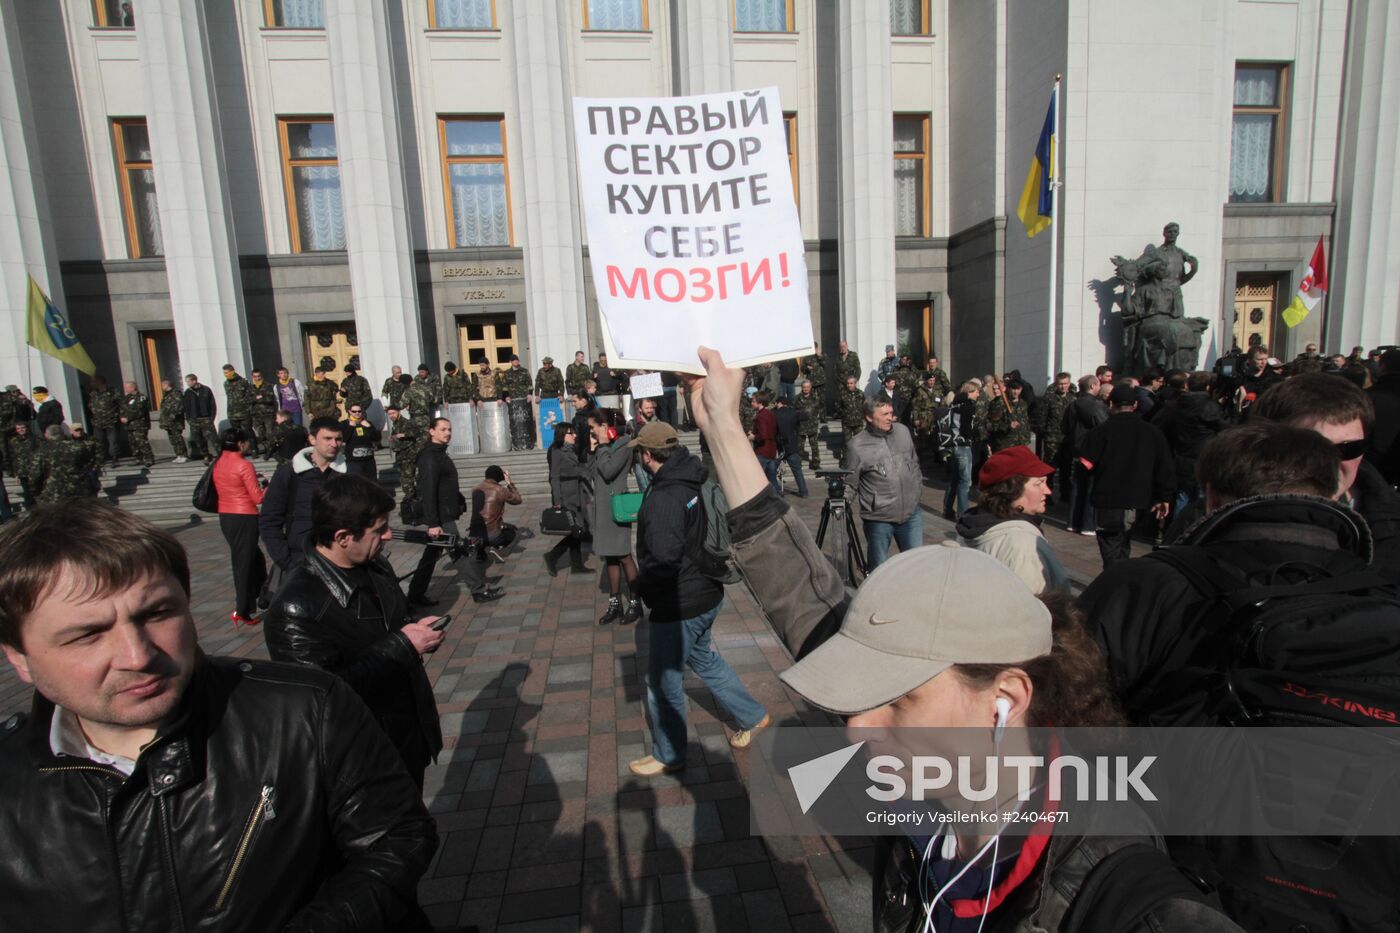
x,y
1005,523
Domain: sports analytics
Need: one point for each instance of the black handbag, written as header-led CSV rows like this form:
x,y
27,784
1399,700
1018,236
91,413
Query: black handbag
x,y
411,511
206,497
560,520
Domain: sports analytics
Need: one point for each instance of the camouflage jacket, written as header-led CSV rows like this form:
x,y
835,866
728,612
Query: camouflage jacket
x,y
1050,415
907,380
238,393
576,375
747,412
136,409
999,429
814,371
393,390
172,411
457,388
922,410
850,408
321,398
106,408
7,410
515,382
434,386
485,384
549,382
815,407
61,470
22,453
264,398
418,401
849,365
945,385
413,433
356,391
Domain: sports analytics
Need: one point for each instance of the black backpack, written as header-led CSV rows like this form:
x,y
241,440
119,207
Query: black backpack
x,y
1125,886
1300,648
708,535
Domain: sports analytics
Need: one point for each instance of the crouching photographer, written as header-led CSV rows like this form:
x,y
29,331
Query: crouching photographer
x,y
914,648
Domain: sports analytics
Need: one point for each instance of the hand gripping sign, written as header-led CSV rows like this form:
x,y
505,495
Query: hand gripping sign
x,y
692,229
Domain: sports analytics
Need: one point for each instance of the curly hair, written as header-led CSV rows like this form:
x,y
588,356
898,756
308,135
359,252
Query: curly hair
x,y
1071,686
1000,498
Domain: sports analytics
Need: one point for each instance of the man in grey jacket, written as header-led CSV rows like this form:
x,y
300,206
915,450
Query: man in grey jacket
x,y
886,479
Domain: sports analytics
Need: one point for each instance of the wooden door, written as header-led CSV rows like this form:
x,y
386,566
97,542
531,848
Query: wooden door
x,y
162,362
494,339
332,347
1256,303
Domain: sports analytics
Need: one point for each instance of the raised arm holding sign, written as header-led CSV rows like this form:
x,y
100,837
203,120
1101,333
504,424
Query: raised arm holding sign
x,y
692,230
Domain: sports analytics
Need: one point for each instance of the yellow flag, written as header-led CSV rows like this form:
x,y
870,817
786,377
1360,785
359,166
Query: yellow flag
x,y
48,331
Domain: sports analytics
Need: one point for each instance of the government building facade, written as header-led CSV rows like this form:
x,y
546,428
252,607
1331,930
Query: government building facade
x,y
316,182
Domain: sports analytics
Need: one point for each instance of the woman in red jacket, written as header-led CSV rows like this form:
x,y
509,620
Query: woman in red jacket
x,y
240,494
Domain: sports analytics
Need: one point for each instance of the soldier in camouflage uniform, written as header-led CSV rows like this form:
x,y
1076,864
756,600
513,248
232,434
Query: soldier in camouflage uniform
x,y
457,385
393,388
549,381
418,402
62,469
850,408
106,409
932,369
485,381
814,371
433,383
321,397
747,413
907,378
927,398
578,372
136,415
238,400
264,415
809,428
406,439
21,450
846,364
172,419
355,389
515,383
1009,424
1049,420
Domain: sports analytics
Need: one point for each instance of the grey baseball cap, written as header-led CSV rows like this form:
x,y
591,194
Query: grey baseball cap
x,y
916,616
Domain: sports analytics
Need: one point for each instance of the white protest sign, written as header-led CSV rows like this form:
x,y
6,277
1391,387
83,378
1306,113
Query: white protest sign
x,y
692,230
646,385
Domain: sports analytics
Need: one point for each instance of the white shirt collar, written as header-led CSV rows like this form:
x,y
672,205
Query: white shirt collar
x,y
66,738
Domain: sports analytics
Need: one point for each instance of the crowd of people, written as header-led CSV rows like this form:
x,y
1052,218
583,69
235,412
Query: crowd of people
x,y
1270,488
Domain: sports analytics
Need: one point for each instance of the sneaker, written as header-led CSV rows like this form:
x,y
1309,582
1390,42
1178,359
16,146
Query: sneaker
x,y
1089,533
181,460
650,767
743,737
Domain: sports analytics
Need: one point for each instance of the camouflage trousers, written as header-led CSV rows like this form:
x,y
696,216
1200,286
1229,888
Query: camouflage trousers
x,y
177,441
243,423
408,474
140,443
814,445
263,427
204,440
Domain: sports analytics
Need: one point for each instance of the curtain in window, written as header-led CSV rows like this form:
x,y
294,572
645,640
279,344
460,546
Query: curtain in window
x,y
463,14
908,197
1255,87
906,17
615,14
1251,156
479,212
760,16
320,213
301,14
143,204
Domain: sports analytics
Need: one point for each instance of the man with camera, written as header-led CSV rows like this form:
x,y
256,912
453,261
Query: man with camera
x,y
886,478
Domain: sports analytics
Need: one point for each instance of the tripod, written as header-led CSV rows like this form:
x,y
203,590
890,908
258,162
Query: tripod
x,y
846,552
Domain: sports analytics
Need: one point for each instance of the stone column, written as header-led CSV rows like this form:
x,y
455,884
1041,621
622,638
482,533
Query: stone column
x,y
704,59
547,213
26,240
367,134
866,245
196,220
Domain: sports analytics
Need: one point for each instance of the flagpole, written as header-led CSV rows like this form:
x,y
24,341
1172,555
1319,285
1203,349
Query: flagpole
x,y
1053,322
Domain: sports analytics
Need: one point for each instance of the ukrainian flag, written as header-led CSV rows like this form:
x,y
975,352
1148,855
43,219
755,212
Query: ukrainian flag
x,y
48,331
1035,208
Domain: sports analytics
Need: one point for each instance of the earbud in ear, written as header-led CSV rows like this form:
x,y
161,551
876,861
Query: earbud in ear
x,y
1003,706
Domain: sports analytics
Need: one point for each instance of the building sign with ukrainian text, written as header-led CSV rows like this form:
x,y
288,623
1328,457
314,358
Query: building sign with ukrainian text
x,y
693,233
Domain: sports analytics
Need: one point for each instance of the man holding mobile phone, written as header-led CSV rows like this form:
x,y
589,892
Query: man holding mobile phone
x,y
342,610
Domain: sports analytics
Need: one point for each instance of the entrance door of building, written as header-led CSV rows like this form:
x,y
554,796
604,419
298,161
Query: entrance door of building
x,y
494,339
332,347
1256,307
162,361
913,327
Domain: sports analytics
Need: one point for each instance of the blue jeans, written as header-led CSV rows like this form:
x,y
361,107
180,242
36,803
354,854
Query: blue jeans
x,y
675,646
794,462
959,479
770,470
909,534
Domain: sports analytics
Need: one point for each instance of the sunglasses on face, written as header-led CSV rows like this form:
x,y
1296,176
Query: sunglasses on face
x,y
357,411
1350,450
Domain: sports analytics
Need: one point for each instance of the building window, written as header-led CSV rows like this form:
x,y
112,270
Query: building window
x,y
312,178
911,175
909,18
790,131
616,15
461,14
114,14
138,184
1256,140
475,180
295,14
763,16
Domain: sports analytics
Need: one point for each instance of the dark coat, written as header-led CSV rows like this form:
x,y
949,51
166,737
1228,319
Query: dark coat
x,y
1187,423
1385,452
788,421
50,412
361,440
327,618
285,759
566,482
1130,462
1379,503
668,580
1083,415
199,402
284,520
607,471
438,486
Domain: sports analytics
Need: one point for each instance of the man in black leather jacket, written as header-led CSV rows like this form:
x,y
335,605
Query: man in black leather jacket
x,y
441,493
154,788
342,611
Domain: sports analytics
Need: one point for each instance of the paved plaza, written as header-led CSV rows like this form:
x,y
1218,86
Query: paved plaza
x,y
542,826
